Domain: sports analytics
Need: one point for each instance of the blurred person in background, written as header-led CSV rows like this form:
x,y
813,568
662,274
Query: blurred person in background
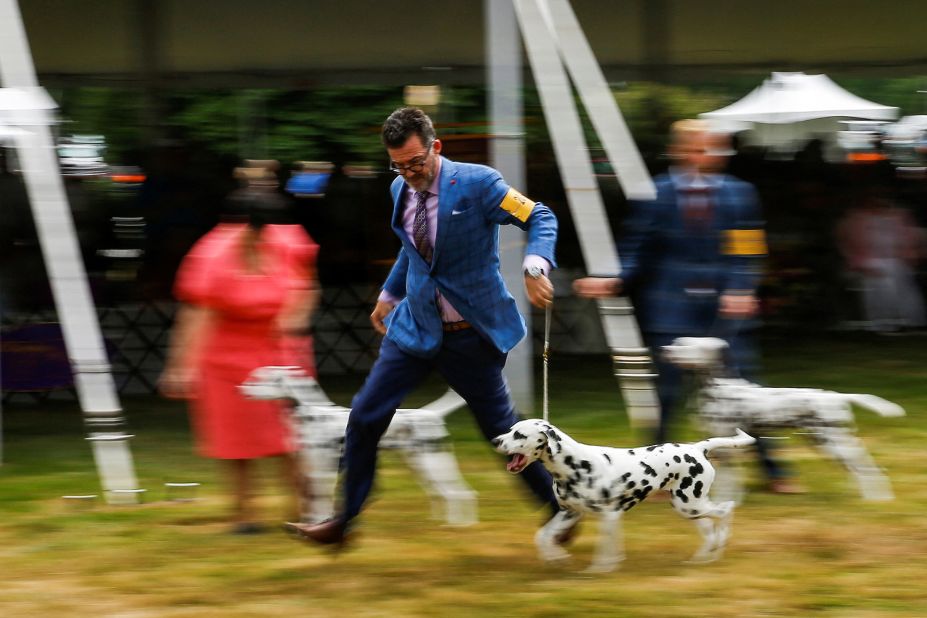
x,y
247,292
444,305
691,260
882,246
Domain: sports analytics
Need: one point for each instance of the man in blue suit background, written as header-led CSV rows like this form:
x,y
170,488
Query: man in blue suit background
x,y
444,305
692,260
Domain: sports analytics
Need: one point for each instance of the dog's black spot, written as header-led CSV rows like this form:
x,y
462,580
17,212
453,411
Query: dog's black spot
x,y
625,476
645,482
648,470
675,443
676,459
607,458
667,464
605,493
631,452
689,458
685,482
665,481
630,485
682,495
652,448
585,465
519,436
568,461
696,469
697,490
553,434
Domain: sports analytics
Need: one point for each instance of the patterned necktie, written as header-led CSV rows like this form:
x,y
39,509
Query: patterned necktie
x,y
696,207
420,227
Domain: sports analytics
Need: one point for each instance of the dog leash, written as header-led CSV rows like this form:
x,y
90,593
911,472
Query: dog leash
x,y
546,355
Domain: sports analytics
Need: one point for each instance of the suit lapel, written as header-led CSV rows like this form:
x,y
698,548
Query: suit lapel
x,y
447,199
399,202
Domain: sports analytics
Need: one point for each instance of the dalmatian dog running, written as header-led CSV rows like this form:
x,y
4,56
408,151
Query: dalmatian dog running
x,y
420,434
610,481
826,416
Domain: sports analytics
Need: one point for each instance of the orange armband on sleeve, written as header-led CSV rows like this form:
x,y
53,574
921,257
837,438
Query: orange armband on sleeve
x,y
517,205
744,242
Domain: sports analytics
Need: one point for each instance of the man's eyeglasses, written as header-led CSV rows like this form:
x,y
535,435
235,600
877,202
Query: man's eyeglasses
x,y
414,167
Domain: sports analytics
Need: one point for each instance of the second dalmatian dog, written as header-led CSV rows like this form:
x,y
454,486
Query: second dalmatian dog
x,y
610,481
826,416
419,433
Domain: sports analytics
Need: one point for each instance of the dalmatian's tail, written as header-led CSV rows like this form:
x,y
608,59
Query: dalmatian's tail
x,y
880,406
735,441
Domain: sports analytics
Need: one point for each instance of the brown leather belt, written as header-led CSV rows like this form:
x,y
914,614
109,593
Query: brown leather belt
x,y
450,327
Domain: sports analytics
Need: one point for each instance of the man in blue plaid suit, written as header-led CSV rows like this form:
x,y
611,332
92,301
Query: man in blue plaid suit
x,y
691,259
444,305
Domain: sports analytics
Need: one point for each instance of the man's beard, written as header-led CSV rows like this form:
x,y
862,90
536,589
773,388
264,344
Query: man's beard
x,y
421,182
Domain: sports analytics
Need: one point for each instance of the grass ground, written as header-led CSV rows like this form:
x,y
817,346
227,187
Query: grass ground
x,y
825,553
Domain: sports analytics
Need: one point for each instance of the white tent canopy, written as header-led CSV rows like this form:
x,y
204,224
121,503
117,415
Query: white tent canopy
x,y
787,109
796,97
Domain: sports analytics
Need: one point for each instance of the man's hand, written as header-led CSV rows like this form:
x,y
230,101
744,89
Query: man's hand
x,y
738,306
540,291
379,314
598,287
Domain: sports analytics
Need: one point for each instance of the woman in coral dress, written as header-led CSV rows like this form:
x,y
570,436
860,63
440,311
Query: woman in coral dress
x,y
247,290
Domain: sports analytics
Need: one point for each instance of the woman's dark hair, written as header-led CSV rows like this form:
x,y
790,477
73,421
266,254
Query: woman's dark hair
x,y
403,124
257,208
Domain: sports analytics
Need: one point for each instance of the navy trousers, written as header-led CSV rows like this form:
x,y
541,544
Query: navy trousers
x,y
471,365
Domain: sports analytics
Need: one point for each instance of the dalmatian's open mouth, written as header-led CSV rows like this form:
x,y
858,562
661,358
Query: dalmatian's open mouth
x,y
517,463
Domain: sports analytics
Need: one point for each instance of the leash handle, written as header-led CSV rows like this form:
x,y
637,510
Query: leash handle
x,y
546,355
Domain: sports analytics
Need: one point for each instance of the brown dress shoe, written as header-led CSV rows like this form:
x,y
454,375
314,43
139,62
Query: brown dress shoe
x,y
329,532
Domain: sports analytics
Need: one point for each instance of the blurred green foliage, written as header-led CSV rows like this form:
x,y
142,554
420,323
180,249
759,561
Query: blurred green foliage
x,y
342,123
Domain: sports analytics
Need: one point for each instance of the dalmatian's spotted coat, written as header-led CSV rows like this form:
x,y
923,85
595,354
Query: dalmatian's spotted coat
x,y
825,416
610,481
420,434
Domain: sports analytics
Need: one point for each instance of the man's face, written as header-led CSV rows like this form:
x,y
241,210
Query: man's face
x,y
701,151
417,162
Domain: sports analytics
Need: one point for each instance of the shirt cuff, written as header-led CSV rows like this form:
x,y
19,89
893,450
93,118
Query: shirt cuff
x,y
386,297
536,260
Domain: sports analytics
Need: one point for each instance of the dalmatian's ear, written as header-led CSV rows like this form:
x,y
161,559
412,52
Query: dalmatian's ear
x,y
552,433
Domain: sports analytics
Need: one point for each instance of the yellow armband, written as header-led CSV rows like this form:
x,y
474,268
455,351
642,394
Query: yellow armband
x,y
744,242
517,205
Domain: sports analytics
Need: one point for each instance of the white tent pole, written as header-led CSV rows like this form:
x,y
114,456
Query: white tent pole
x,y
55,226
599,102
631,359
506,152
